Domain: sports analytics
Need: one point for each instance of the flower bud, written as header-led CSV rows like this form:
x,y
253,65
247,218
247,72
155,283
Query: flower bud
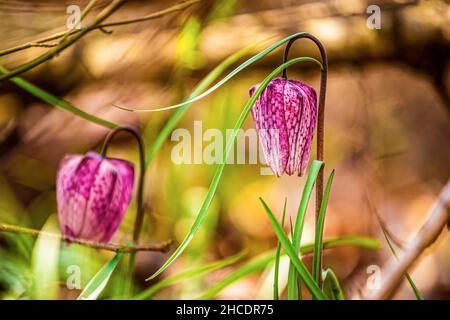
x,y
93,194
285,116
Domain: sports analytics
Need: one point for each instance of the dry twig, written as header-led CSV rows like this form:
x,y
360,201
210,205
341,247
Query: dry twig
x,y
161,247
393,275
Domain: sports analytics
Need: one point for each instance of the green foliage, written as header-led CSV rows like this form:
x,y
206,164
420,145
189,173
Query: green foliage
x,y
319,230
98,283
299,223
57,102
241,67
188,274
201,86
261,261
331,286
220,167
293,255
277,258
407,276
256,264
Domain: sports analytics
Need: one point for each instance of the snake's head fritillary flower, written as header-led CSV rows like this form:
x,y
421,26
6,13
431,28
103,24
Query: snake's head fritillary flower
x,y
93,193
285,116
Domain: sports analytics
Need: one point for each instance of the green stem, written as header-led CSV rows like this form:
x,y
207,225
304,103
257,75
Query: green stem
x,y
140,206
57,102
220,167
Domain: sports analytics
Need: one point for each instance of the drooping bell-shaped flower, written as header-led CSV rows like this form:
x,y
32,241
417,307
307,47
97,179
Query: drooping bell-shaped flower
x,y
285,116
93,193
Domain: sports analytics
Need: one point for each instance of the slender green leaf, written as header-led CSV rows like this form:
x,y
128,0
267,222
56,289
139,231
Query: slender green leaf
x,y
100,280
277,258
57,102
331,286
293,255
261,261
256,264
298,283
299,223
363,242
242,66
206,81
407,276
319,230
414,287
220,167
194,272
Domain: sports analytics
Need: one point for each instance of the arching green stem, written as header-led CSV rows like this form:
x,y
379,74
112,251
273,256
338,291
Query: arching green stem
x,y
320,128
140,208
220,167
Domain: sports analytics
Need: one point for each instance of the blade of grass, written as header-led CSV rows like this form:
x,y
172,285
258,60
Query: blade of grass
x,y
317,253
100,280
256,264
277,258
364,242
242,66
206,81
57,102
261,261
220,167
194,272
394,252
293,255
331,286
299,223
298,283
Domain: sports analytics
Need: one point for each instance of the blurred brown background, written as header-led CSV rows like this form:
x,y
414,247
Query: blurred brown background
x,y
387,124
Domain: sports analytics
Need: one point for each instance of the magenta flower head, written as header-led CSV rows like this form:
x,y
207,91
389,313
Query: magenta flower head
x,y
93,192
285,116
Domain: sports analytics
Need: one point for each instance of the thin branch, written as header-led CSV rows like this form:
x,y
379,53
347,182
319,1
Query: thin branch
x,y
85,12
374,210
161,247
438,218
178,7
104,14
37,43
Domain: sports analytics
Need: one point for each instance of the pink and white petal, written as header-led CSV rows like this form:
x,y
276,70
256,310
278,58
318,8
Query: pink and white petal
x,y
74,182
122,198
309,137
110,197
102,193
307,125
293,114
268,114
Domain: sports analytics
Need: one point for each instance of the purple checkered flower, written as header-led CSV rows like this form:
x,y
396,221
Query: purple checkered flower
x,y
93,193
285,116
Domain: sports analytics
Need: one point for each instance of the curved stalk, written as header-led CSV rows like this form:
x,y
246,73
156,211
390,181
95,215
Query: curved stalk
x,y
320,120
140,207
220,167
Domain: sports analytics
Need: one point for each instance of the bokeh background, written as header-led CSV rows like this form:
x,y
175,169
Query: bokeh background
x,y
387,134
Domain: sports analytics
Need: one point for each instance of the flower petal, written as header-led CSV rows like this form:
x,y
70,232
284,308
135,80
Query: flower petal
x,y
109,199
268,114
307,125
74,182
123,191
285,117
